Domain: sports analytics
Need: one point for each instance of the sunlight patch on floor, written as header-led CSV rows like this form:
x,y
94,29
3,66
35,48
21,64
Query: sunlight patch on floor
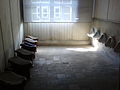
x,y
83,49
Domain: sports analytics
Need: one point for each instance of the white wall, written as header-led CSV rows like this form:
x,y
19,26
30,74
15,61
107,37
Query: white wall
x,y
58,31
17,25
6,32
9,30
101,9
114,10
108,10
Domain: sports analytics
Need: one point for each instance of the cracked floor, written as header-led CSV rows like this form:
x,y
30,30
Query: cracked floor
x,y
72,68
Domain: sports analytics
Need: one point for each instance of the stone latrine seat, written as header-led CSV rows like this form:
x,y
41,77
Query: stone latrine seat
x,y
21,66
25,54
92,32
11,81
29,40
29,47
103,38
32,37
111,42
117,47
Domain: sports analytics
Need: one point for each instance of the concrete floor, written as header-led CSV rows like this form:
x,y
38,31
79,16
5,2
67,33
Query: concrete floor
x,y
72,68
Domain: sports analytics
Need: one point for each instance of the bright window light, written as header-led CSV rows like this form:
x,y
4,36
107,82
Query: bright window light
x,y
50,10
67,1
57,13
57,1
45,12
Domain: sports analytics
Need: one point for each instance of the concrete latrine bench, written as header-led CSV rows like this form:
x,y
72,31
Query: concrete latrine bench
x,y
32,37
31,41
25,54
117,47
11,81
28,46
21,66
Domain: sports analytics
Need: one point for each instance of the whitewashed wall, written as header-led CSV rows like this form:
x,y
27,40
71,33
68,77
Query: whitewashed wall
x,y
6,33
58,31
10,30
17,25
108,10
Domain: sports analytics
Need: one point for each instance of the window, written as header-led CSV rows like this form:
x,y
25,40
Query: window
x,y
51,10
45,12
40,1
67,1
57,13
67,13
35,1
45,1
57,1
35,13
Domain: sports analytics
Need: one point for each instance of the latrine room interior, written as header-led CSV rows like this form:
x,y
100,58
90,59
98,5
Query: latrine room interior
x,y
59,44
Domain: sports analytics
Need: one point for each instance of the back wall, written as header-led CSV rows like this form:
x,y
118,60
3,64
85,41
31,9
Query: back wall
x,y
56,32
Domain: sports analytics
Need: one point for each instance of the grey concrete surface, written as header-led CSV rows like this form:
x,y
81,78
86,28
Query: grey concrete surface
x,y
72,68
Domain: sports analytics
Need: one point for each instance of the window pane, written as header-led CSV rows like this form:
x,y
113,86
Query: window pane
x,y
45,12
67,9
35,1
45,1
34,9
57,12
39,16
57,16
67,17
38,10
57,1
35,17
67,1
56,9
